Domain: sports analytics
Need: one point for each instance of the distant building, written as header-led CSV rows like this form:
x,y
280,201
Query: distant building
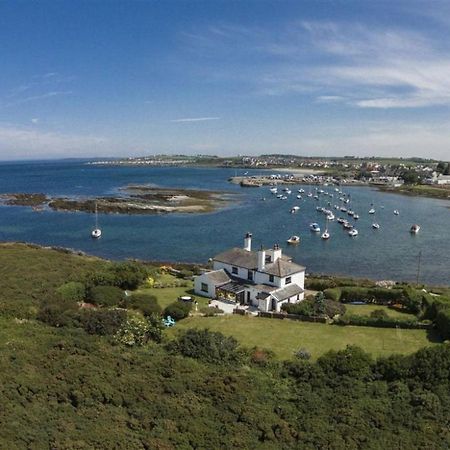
x,y
264,279
437,178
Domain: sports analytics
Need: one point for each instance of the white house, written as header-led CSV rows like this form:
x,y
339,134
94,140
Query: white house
x,y
265,278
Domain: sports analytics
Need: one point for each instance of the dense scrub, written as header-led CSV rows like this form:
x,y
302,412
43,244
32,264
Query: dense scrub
x,y
84,378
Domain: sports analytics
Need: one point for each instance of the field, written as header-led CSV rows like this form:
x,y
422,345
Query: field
x,y
284,336
365,310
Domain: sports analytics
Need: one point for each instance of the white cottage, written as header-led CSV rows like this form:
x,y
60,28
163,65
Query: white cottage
x,y
265,278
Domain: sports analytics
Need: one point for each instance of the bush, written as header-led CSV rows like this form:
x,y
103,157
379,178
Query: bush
x,y
443,323
315,307
146,303
319,284
261,356
207,346
379,314
333,294
387,322
106,295
302,354
129,274
57,311
102,322
178,310
73,290
210,311
134,331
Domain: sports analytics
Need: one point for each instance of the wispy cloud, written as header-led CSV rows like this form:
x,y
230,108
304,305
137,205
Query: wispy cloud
x,y
33,98
362,66
34,120
194,119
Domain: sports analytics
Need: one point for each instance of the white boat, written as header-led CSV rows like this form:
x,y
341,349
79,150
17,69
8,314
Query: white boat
x,y
319,208
350,212
309,194
279,195
293,240
396,212
371,211
315,227
340,220
274,190
301,191
96,232
325,235
376,226
283,197
353,232
294,209
348,225
414,229
356,216
288,191
330,216
299,196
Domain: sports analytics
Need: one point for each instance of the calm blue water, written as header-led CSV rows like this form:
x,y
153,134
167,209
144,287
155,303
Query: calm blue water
x,y
389,253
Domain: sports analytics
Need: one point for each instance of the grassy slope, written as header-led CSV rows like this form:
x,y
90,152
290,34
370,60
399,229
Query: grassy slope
x,y
28,273
285,336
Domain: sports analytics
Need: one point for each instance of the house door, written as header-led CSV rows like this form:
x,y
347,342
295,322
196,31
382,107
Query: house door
x,y
274,304
248,297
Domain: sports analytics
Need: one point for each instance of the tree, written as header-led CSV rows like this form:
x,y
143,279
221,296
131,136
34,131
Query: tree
x,y
72,291
178,310
410,176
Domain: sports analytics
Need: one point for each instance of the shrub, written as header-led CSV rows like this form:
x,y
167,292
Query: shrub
x,y
210,311
178,310
128,275
57,311
73,290
146,303
261,356
134,331
315,307
319,284
333,294
443,323
207,346
302,354
102,322
379,314
106,295
381,322
412,299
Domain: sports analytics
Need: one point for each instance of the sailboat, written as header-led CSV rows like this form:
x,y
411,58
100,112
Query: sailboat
x,y
325,234
96,232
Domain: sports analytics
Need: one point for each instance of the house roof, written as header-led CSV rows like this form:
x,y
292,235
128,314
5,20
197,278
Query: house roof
x,y
239,257
282,267
217,277
287,292
234,288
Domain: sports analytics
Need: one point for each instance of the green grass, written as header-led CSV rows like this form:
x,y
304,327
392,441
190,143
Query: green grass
x,y
168,295
285,336
365,310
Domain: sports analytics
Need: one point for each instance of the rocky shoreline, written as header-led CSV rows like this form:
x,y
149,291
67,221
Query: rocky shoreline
x,y
134,199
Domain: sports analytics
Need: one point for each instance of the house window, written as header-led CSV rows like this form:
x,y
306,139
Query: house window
x,y
271,278
250,275
288,280
268,259
234,270
204,287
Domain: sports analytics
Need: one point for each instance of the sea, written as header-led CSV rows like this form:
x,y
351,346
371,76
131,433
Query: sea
x,y
390,253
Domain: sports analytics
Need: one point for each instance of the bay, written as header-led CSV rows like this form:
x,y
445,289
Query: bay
x,y
388,253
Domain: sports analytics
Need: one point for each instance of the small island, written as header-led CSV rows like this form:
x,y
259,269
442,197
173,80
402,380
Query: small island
x,y
135,199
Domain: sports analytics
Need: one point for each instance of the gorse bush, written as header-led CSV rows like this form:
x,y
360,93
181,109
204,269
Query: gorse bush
x,y
106,295
72,290
146,303
207,346
178,310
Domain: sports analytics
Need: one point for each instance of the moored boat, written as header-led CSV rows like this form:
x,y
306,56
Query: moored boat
x,y
315,227
293,240
414,229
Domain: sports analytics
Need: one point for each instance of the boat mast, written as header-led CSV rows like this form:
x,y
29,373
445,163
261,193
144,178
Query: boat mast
x,y
418,267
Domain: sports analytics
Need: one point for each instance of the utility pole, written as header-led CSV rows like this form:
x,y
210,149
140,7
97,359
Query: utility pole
x,y
418,267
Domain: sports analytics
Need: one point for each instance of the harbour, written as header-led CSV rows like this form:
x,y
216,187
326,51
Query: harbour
x,y
389,252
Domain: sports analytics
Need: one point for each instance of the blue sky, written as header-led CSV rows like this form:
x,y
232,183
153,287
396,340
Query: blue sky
x,y
120,78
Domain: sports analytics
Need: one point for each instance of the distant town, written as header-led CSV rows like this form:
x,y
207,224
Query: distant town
x,y
414,176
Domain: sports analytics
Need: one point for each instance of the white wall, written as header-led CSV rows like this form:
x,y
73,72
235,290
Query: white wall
x,y
296,278
198,286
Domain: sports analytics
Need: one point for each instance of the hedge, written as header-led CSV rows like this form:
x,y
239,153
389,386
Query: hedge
x,y
443,323
382,322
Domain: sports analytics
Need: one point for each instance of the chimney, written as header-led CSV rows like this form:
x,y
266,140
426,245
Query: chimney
x,y
261,259
276,252
248,242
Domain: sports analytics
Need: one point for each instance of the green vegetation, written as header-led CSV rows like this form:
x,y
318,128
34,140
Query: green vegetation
x,y
84,377
284,337
367,310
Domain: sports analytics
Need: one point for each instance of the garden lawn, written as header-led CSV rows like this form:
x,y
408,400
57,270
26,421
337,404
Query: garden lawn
x,y
365,310
284,337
